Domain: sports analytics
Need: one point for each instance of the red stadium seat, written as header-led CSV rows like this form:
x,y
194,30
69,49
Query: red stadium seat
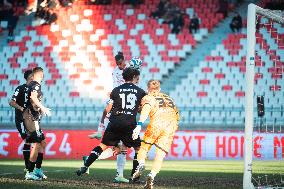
x,y
74,94
154,70
227,87
219,76
204,81
50,82
3,76
275,88
14,82
3,94
206,69
240,94
202,94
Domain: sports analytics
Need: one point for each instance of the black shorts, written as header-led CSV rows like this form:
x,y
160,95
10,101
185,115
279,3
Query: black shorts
x,y
21,128
115,133
35,137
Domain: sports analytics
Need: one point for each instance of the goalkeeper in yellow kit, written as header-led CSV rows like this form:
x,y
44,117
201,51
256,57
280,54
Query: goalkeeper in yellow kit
x,y
164,118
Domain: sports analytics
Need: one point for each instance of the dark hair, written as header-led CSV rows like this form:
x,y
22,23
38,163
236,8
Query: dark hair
x,y
37,69
27,74
129,74
119,56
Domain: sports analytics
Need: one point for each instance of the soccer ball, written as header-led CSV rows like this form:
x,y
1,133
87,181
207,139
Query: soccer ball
x,y
135,63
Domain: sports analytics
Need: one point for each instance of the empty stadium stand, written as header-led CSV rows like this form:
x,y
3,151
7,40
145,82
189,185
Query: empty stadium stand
x,y
77,53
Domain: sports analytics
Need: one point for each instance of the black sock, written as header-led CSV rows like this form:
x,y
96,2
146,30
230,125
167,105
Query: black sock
x,y
39,160
96,152
26,154
31,166
135,164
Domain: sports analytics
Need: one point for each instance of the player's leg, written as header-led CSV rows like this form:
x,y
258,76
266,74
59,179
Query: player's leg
x,y
26,154
150,137
38,170
129,142
156,167
163,144
27,146
120,164
30,175
109,139
95,153
140,160
32,137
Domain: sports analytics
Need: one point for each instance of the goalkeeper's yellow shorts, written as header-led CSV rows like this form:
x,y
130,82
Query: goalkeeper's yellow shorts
x,y
161,134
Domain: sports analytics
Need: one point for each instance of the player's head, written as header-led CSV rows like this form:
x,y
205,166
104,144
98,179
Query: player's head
x,y
38,74
119,59
131,75
28,75
154,86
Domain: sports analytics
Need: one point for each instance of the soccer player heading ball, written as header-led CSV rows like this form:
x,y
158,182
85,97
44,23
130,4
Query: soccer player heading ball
x,y
124,104
120,149
164,118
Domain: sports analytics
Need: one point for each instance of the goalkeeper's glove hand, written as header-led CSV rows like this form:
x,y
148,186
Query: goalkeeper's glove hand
x,y
136,131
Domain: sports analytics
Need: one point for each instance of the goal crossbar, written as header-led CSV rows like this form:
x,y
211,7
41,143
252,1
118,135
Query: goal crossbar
x,y
275,15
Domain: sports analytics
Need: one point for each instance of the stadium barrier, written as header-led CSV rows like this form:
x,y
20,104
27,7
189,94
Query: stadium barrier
x,y
187,145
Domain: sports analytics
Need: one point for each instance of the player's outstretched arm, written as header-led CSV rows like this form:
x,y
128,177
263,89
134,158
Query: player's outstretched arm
x,y
35,100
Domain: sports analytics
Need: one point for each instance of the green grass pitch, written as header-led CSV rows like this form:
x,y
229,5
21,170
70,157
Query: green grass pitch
x,y
174,174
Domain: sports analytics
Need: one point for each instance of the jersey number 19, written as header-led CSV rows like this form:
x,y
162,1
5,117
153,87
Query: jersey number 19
x,y
128,101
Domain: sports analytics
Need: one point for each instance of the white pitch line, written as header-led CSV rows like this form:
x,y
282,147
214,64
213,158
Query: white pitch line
x,y
55,171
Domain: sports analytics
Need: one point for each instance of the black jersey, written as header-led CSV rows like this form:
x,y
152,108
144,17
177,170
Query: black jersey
x,y
19,98
126,99
35,111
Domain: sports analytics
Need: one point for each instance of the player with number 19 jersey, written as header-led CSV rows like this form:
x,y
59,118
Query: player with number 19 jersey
x,y
126,100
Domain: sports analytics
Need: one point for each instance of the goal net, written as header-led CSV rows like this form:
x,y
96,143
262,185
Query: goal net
x,y
264,108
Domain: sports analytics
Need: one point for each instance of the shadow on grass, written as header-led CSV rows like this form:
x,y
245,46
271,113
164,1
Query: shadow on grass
x,y
64,177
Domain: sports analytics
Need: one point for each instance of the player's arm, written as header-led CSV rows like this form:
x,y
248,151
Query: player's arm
x,y
13,101
35,100
146,109
14,104
106,111
114,80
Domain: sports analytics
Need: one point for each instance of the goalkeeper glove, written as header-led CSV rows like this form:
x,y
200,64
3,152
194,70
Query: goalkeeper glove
x,y
136,131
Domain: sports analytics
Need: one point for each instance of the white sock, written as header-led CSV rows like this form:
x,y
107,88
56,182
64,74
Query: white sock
x,y
152,174
120,163
107,153
141,162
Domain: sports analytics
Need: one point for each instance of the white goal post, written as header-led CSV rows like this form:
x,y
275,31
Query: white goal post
x,y
253,10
